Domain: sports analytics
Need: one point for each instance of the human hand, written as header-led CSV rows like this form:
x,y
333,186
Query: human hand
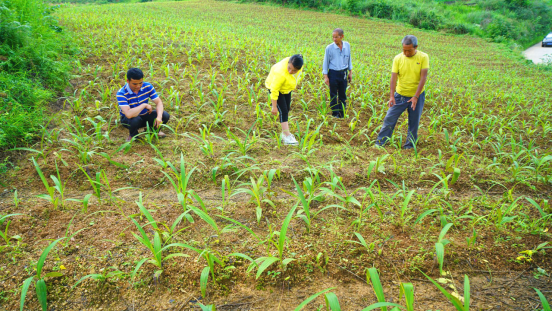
x,y
413,102
149,107
327,82
274,111
391,102
349,77
158,122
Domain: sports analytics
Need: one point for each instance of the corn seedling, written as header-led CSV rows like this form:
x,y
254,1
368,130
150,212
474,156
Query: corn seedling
x,y
156,249
257,192
4,234
40,284
440,247
262,263
454,298
406,290
103,277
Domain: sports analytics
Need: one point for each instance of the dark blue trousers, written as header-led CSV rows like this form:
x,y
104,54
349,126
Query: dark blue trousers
x,y
393,115
338,83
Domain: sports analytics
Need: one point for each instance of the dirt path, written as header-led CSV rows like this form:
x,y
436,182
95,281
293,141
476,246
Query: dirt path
x,y
537,53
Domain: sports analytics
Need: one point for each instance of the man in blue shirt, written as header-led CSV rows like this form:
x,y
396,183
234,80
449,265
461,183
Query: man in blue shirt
x,y
337,71
134,108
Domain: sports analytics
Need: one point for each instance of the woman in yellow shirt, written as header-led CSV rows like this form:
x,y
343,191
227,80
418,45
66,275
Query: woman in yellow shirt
x,y
282,80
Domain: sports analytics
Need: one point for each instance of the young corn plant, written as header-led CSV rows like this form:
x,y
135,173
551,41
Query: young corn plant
x,y
454,298
167,232
262,263
4,234
406,290
245,145
156,249
305,214
108,274
257,192
58,186
440,247
40,284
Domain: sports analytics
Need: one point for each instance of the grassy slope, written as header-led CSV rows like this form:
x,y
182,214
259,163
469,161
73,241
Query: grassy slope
x,y
489,102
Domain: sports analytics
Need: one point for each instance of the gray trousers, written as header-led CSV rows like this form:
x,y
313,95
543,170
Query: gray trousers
x,y
393,115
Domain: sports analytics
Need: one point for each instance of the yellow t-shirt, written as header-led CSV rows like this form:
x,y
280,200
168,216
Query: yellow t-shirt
x,y
280,80
408,70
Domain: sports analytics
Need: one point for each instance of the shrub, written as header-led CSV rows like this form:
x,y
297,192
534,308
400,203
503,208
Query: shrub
x,y
425,19
33,67
457,28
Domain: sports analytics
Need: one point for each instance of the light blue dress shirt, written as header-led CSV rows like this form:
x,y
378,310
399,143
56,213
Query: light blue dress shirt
x,y
337,59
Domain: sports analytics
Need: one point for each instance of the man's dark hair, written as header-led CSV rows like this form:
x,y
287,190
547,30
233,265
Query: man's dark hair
x,y
340,31
134,74
297,61
410,39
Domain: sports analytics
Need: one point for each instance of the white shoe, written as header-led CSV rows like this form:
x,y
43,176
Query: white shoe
x,y
288,140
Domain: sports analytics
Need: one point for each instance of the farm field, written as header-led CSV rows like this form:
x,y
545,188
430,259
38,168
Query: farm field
x,y
220,213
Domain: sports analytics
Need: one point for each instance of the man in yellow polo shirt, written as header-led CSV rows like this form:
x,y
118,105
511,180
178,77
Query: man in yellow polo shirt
x,y
409,72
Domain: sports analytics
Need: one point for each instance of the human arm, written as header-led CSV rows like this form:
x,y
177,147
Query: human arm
x,y
159,110
415,99
274,109
325,67
350,68
134,112
393,83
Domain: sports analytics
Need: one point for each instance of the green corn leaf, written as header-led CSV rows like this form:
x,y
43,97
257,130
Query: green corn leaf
x,y
444,231
140,263
467,294
311,298
283,230
41,293
440,252
426,213
456,174
42,258
382,306
545,305
203,280
267,261
24,290
332,302
456,303
537,206
372,275
408,291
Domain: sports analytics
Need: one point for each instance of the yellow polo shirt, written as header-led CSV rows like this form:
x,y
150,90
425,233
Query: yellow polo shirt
x,y
280,80
408,70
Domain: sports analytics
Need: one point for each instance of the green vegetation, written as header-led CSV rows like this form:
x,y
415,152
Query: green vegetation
x,y
219,211
524,22
34,67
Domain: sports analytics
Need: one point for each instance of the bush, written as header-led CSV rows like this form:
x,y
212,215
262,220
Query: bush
x,y
457,28
33,67
425,19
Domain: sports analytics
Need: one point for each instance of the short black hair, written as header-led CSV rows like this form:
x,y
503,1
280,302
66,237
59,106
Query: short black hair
x,y
134,74
297,61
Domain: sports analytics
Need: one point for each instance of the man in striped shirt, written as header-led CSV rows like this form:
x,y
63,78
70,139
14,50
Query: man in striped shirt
x,y
134,108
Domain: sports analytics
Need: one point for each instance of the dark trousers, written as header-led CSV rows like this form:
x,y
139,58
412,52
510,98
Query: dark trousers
x,y
393,115
133,124
338,83
283,106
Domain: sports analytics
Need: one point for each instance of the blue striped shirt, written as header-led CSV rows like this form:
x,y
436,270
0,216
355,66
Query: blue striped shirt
x,y
126,97
337,59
